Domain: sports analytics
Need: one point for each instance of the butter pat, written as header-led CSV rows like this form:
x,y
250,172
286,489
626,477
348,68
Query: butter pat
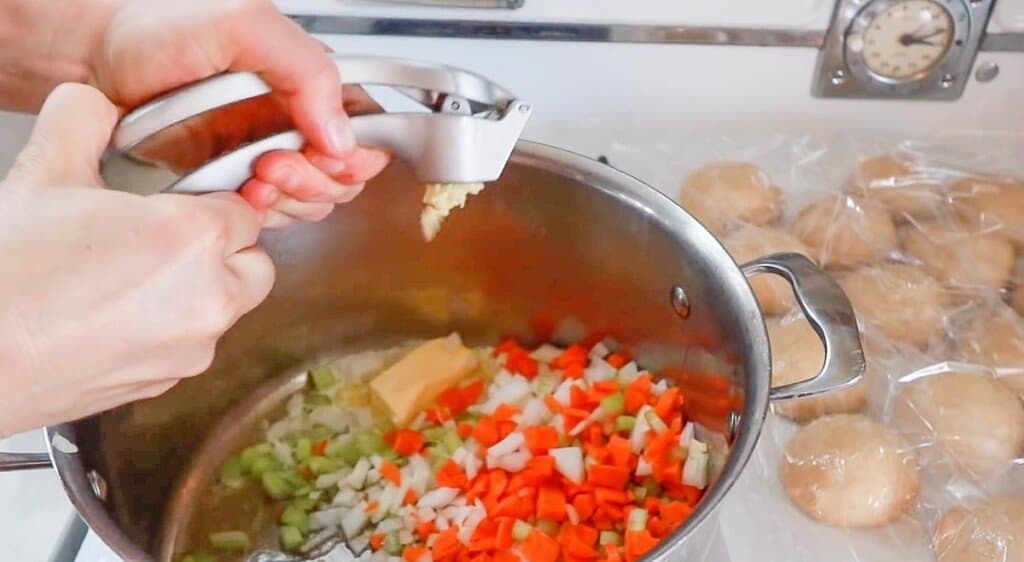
x,y
409,386
440,199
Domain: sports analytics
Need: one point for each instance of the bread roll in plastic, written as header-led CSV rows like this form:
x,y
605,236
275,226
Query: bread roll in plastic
x,y
995,339
968,418
891,181
749,242
797,355
991,530
960,255
845,232
903,302
992,204
850,471
722,194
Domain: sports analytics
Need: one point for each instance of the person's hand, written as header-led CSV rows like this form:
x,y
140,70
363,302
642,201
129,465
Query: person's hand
x,y
147,48
109,297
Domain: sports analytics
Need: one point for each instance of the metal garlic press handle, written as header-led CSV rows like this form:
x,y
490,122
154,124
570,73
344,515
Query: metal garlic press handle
x,y
829,313
449,144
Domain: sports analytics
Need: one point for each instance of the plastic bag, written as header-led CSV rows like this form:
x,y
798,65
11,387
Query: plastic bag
x,y
925,236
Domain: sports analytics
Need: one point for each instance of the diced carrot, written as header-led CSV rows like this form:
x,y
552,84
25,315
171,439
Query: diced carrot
x,y
451,475
652,505
576,548
687,494
447,545
611,476
594,435
504,412
465,429
539,467
486,431
371,507
619,451
519,361
453,399
472,391
540,438
425,529
606,496
410,498
638,543
611,553
573,371
637,393
667,402
593,338
574,355
585,505
391,473
616,360
505,556
505,428
503,538
408,442
376,541
438,415
497,481
414,553
551,503
578,397
608,386
656,527
554,405
320,447
507,507
586,533
539,547
506,346
675,513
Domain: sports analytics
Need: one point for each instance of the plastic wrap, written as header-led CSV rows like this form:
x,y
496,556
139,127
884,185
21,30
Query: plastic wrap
x,y
926,239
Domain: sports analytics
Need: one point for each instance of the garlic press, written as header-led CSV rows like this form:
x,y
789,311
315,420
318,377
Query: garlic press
x,y
450,125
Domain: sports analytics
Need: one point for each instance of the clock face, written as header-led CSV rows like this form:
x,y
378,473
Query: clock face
x,y
905,39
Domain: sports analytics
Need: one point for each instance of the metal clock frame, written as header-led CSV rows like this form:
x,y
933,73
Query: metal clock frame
x,y
842,73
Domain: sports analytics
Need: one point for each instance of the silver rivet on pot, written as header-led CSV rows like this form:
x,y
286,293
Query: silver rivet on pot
x,y
99,485
680,302
732,426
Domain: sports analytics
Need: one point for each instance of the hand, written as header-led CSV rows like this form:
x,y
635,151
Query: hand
x,y
147,48
109,297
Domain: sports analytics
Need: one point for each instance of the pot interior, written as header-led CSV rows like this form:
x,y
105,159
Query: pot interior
x,y
560,247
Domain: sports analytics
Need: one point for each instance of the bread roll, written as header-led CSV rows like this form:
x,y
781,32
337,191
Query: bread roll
x,y
993,204
749,242
995,338
797,355
903,302
892,182
966,417
845,232
990,530
850,471
960,255
724,193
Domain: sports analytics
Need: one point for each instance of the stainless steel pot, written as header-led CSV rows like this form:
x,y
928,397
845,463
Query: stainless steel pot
x,y
558,236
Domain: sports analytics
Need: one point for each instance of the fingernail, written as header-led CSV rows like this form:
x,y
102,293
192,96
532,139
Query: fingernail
x,y
285,176
330,166
340,135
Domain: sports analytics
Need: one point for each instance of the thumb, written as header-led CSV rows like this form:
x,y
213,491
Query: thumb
x,y
68,140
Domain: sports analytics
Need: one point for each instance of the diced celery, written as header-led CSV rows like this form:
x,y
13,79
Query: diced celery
x,y
305,503
347,452
320,432
317,399
613,404
230,540
323,465
391,544
322,378
609,537
434,434
291,538
200,557
296,517
451,442
232,473
262,465
656,423
637,519
521,530
625,423
303,449
371,444
654,490
543,385
639,494
547,526
256,456
277,484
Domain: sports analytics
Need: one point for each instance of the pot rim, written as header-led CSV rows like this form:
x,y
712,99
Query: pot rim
x,y
658,208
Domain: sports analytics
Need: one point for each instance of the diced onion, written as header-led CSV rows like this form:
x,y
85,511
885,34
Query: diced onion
x,y
695,471
569,463
439,497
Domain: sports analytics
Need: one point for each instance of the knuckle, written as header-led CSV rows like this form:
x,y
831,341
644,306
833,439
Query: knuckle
x,y
220,311
202,361
157,389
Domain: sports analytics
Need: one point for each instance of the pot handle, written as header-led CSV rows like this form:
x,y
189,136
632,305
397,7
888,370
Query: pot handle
x,y
10,462
829,313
